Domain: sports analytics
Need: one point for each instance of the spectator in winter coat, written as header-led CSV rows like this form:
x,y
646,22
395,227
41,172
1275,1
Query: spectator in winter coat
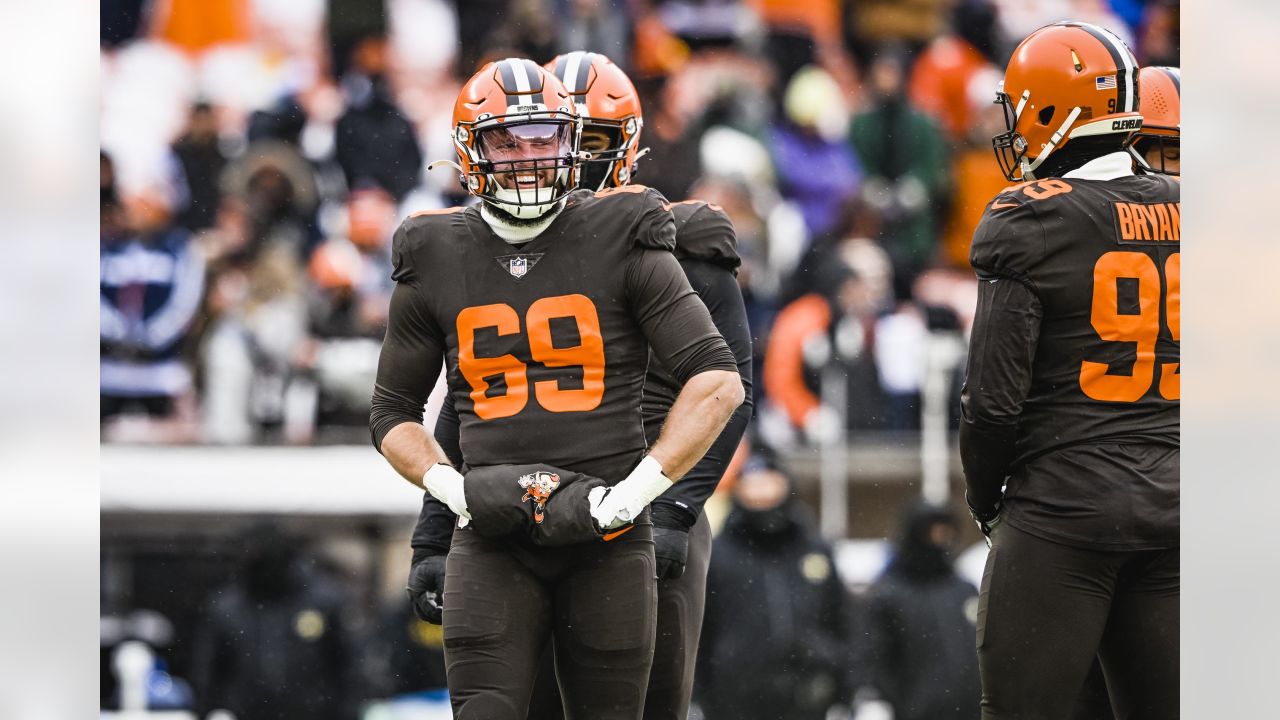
x,y
775,635
921,657
374,142
151,284
201,158
275,644
816,167
905,167
829,329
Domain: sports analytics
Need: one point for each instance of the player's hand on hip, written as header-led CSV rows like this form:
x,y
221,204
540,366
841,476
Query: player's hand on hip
x,y
613,507
988,521
445,484
671,550
426,589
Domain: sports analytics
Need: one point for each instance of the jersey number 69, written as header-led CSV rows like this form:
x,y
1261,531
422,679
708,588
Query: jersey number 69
x,y
587,354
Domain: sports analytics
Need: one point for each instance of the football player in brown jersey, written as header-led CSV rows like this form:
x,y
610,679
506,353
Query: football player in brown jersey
x,y
706,249
1070,429
1155,148
544,304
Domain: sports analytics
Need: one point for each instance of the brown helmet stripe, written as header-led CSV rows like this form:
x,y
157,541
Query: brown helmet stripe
x,y
584,71
518,75
505,67
1126,65
534,75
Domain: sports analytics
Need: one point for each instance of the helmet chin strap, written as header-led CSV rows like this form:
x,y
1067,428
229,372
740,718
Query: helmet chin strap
x,y
1029,168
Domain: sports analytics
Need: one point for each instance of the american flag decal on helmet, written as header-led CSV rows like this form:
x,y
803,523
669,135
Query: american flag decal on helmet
x,y
1105,82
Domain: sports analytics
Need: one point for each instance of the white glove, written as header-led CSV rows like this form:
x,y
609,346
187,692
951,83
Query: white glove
x,y
621,504
445,484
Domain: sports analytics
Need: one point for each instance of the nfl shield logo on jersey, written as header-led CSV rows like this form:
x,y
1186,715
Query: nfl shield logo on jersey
x,y
518,265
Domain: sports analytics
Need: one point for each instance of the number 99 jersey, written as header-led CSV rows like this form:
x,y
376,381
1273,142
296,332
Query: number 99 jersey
x,y
1102,257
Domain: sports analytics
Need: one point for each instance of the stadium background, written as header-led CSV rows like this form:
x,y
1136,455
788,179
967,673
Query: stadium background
x,y
276,144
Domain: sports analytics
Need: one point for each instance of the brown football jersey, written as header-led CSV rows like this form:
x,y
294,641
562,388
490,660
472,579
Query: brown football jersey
x,y
703,232
546,344
1101,260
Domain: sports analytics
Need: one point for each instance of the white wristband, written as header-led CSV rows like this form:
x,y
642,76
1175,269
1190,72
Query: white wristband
x,y
648,479
624,502
445,484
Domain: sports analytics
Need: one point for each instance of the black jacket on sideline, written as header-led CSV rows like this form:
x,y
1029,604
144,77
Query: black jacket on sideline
x,y
921,655
775,634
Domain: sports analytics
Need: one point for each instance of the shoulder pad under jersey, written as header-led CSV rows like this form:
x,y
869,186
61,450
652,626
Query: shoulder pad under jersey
x,y
1009,240
704,232
415,236
652,224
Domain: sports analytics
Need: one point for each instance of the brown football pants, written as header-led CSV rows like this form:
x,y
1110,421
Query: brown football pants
x,y
1046,611
680,605
504,601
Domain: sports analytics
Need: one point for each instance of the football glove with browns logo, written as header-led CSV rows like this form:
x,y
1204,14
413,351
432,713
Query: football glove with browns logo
x,y
546,504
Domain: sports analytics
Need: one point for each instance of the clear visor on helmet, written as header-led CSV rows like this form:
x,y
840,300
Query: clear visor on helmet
x,y
528,163
525,141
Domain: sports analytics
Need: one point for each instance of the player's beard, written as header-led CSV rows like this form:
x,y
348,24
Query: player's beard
x,y
499,212
513,229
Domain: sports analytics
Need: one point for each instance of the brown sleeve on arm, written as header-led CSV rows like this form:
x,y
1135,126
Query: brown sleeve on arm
x,y
997,380
673,319
412,354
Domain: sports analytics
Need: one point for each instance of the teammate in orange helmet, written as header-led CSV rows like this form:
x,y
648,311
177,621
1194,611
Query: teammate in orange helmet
x,y
611,116
544,305
1069,434
706,248
1156,147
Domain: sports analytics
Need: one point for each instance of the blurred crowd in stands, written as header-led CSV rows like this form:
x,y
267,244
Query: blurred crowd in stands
x,y
258,154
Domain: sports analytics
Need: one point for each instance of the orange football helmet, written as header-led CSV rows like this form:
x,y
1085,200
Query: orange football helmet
x,y
516,133
1064,81
1161,105
611,116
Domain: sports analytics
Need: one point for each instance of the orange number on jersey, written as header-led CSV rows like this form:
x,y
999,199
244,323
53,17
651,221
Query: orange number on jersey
x,y
1141,329
1042,189
475,369
1170,373
587,354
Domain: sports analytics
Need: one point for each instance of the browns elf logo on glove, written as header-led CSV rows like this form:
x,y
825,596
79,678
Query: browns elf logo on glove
x,y
538,488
